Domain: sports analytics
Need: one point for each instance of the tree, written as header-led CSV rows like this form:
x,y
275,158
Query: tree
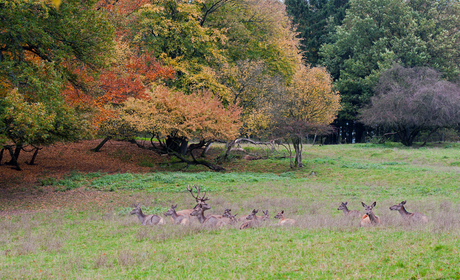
x,y
174,119
375,34
309,106
314,21
40,47
409,100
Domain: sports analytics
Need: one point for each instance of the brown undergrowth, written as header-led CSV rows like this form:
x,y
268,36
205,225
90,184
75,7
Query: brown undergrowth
x,y
21,192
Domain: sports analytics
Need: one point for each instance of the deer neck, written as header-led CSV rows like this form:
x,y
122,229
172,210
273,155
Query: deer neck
x,y
404,212
372,217
202,218
140,216
345,210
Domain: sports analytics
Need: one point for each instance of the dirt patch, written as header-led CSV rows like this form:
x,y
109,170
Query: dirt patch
x,y
20,191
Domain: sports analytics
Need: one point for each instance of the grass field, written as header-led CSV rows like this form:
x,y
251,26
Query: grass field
x,y
105,242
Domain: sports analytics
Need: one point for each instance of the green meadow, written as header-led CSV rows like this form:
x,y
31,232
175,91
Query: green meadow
x,y
106,242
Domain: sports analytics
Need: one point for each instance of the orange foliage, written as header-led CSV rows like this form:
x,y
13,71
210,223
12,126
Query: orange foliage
x,y
117,84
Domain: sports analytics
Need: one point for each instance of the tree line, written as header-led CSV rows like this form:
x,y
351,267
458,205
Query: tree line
x,y
183,73
359,40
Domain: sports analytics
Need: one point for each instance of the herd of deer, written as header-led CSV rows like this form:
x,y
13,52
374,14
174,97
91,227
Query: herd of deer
x,y
370,219
183,217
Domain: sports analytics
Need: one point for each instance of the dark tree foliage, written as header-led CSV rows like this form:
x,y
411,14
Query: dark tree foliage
x,y
315,20
409,100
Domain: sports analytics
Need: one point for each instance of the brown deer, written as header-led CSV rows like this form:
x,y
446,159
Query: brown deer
x,y
349,213
199,212
411,217
177,219
147,219
253,220
262,218
198,199
283,221
369,219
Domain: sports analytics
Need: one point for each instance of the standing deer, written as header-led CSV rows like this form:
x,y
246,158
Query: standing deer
x,y
198,199
147,219
369,219
411,217
177,219
283,221
349,213
253,220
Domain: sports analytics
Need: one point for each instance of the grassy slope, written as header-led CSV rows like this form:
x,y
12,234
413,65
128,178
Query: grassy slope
x,y
105,244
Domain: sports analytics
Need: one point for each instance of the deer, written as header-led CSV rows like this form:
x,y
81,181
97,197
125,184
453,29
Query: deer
x,y
253,220
349,213
283,221
147,219
369,219
262,218
411,217
212,220
198,199
177,219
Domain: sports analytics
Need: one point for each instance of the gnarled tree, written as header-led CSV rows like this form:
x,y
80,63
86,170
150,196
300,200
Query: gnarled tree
x,y
409,100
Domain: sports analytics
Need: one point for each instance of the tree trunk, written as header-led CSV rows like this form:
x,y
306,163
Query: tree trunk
x,y
14,159
298,147
1,155
32,161
101,144
177,144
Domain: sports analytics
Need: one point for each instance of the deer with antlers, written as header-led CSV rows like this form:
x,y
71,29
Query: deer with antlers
x,y
283,221
369,219
411,217
199,200
349,213
147,219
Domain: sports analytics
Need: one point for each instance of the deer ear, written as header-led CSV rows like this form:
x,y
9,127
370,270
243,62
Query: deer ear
x,y
364,204
282,211
403,202
345,203
375,203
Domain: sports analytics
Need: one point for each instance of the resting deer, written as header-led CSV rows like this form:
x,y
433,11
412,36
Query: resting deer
x,y
349,213
283,221
198,199
177,219
262,218
253,220
411,217
369,219
147,219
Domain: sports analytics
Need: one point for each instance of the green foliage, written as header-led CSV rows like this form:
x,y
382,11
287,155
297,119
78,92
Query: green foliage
x,y
375,34
40,45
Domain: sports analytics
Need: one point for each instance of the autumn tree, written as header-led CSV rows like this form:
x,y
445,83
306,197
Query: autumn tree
x,y
174,118
309,106
410,100
40,46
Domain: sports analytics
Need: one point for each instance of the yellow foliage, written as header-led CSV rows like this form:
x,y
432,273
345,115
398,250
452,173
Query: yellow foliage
x,y
312,98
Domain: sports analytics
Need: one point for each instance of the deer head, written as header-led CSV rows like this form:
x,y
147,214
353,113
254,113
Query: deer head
x,y
252,216
227,213
280,215
198,199
369,208
265,216
398,206
136,210
171,210
343,206
199,209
